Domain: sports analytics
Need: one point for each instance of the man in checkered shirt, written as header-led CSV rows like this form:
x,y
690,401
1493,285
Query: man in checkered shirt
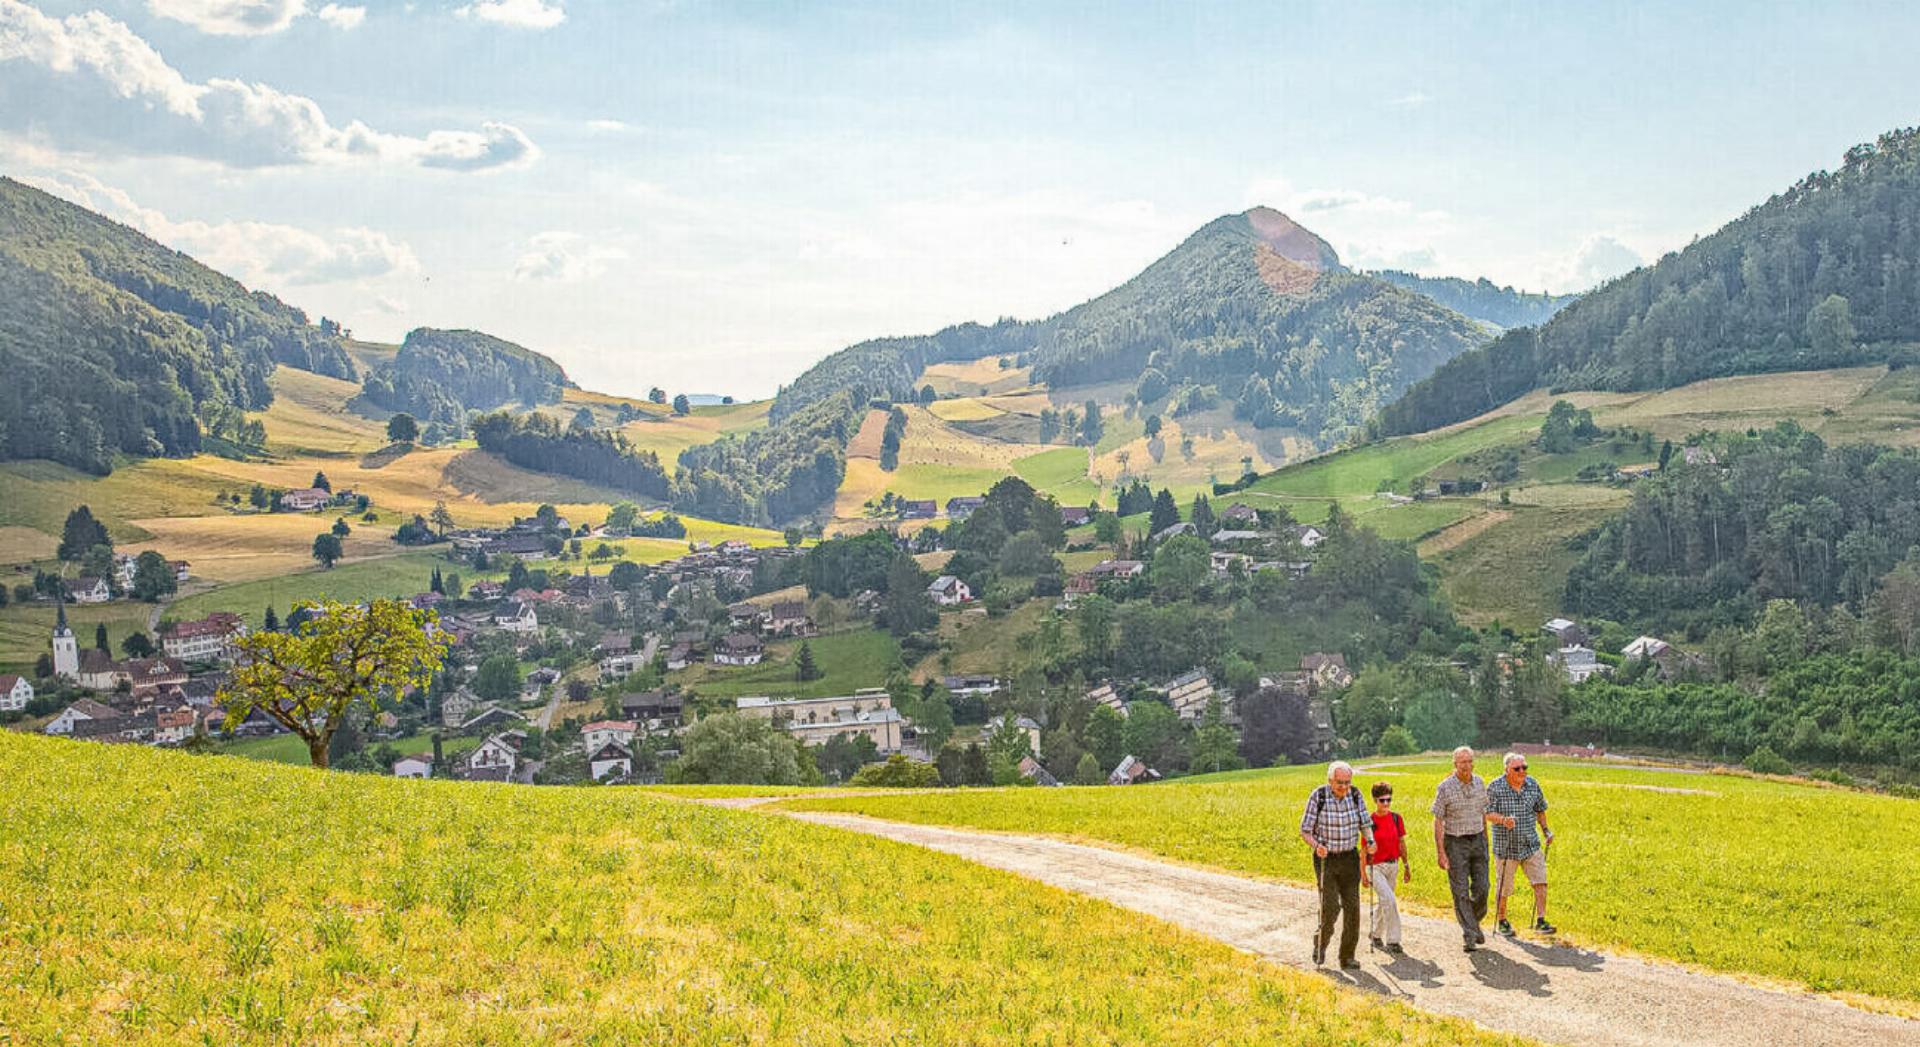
x,y
1337,825
1516,846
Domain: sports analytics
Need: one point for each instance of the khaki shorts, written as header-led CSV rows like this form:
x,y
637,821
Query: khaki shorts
x,y
1535,866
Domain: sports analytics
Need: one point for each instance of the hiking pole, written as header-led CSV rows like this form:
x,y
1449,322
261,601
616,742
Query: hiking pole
x,y
1320,909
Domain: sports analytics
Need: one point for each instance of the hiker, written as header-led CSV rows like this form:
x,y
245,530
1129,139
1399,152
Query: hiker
x,y
1460,818
1336,825
1516,846
1387,860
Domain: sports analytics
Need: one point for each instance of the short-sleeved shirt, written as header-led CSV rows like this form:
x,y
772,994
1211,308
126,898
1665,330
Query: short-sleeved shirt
x,y
1524,806
1337,823
1387,834
1461,806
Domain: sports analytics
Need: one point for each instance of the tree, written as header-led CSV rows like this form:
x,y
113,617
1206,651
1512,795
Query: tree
x,y
909,608
403,429
498,678
1397,741
1153,426
98,563
927,395
270,621
740,750
681,405
320,480
1214,746
441,518
1152,386
1275,727
80,533
1165,512
1439,718
1202,515
1091,428
1180,567
100,638
804,668
898,772
1025,554
657,395
626,576
153,577
621,516
844,754
326,549
341,658
1093,619
1087,771
1830,327
1106,528
340,528
583,419
257,497
452,586
1154,734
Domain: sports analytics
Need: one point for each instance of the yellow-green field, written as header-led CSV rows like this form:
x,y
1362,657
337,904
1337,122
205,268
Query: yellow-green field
x,y
26,630
1789,881
667,435
250,902
849,661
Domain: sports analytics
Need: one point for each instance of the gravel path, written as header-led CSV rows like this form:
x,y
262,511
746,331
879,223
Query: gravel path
x,y
1556,993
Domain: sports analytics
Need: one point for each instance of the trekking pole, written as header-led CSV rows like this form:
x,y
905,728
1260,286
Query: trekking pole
x,y
1320,909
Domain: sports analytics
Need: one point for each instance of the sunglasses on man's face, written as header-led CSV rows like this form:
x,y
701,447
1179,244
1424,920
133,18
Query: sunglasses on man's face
x,y
1518,767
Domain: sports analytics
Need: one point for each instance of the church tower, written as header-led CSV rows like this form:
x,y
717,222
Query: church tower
x,y
66,650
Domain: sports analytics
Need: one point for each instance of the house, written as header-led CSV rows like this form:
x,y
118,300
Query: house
x,y
1023,724
419,765
136,729
917,508
1644,648
608,732
1239,513
789,618
489,717
1174,531
1698,456
204,639
1119,569
98,671
542,677
739,649
87,589
610,762
1231,537
866,713
614,644
1075,515
84,709
306,499
1308,535
456,707
1084,584
173,725
15,693
494,760
485,590
1132,771
1189,694
1222,562
622,665
1579,663
182,570
1329,671
744,615
969,686
515,616
1568,632
679,656
948,591
658,709
152,675
1030,768
964,506
1320,720
1107,696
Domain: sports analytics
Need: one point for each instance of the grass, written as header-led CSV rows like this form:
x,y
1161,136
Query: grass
x,y
503,914
982,644
1515,570
26,630
1786,881
393,576
1056,468
309,416
850,661
288,748
667,434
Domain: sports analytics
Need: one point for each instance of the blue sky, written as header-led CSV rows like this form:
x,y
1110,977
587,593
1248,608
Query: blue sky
x,y
710,196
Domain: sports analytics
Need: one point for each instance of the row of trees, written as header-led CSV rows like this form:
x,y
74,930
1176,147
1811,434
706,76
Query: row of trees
x,y
535,441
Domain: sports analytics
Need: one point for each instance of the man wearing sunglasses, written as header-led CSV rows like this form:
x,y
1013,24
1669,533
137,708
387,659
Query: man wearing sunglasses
x,y
1516,844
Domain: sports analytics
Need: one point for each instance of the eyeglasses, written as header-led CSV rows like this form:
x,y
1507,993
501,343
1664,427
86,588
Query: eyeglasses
x,y
1383,799
1518,767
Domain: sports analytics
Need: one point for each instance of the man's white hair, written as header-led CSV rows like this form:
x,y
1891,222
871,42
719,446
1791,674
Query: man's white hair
x,y
1336,767
1468,749
1511,759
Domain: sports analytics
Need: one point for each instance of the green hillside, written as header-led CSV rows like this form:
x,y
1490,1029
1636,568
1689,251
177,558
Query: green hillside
x,y
115,345
237,901
437,376
1482,299
1825,274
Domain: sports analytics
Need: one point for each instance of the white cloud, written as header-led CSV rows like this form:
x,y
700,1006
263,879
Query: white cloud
x,y
1409,100
231,17
1368,230
342,17
521,14
564,258
258,254
1599,258
90,81
610,126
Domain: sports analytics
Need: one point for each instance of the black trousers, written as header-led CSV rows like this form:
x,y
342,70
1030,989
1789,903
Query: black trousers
x,y
1339,876
1467,876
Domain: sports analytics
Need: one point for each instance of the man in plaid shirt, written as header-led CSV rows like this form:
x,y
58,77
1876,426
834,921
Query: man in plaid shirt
x,y
1337,825
1516,846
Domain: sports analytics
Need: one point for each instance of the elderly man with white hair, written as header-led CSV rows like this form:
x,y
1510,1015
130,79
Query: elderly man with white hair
x,y
1460,818
1338,827
1516,846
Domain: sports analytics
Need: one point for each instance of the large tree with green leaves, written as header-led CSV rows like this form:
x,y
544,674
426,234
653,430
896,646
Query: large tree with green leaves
x,y
81,533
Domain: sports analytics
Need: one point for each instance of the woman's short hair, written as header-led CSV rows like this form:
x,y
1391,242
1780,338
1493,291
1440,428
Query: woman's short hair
x,y
1382,789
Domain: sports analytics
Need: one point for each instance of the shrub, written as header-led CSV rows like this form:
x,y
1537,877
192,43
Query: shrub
x,y
898,772
1397,741
1765,761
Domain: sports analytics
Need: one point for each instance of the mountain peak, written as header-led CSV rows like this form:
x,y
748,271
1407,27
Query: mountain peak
x,y
1290,240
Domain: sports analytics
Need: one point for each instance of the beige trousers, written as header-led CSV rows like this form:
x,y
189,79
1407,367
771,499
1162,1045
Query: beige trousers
x,y
1386,909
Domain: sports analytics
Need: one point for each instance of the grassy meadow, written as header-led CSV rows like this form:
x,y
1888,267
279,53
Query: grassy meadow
x,y
1686,866
849,661
438,912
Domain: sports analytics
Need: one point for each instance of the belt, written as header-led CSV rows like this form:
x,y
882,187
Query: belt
x,y
1466,836
1336,854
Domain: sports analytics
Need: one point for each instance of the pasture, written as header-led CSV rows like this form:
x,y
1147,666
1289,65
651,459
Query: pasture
x,y
439,912
1789,881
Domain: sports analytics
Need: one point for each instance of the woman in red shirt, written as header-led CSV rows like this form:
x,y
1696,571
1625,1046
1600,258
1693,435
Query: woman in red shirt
x,y
1386,862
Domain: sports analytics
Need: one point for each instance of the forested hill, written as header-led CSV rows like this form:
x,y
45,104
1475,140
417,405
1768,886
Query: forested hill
x,y
437,376
1482,299
113,344
1252,307
1825,274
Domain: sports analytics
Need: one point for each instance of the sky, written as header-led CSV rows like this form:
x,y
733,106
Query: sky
x,y
709,197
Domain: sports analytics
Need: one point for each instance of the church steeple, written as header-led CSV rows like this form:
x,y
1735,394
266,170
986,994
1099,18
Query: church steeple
x,y
60,617
66,649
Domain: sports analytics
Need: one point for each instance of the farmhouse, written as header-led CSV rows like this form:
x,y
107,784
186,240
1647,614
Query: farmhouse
x,y
1189,694
964,506
917,509
516,616
1174,531
457,706
789,618
1238,514
495,759
1329,671
306,499
1308,535
1567,631
1031,769
1119,569
948,591
205,639
1086,583
419,765
84,709
1645,647
611,762
1579,663
87,589
607,732
15,693
151,675
739,649
1131,771
1075,515
659,710
967,686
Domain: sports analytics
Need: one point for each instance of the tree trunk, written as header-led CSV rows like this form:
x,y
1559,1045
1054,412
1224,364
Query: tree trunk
x,y
317,751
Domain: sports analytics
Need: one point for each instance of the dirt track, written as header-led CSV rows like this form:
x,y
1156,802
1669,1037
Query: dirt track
x,y
1555,993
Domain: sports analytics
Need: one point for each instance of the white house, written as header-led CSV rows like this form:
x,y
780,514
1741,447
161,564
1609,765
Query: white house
x,y
204,640
15,693
1645,647
419,765
84,709
738,649
516,616
305,499
1578,663
601,733
1308,535
620,666
89,590
948,591
612,760
494,760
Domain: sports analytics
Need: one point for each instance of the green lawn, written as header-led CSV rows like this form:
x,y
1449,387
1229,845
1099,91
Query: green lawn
x,y
1046,470
287,748
1362,470
1796,882
387,577
850,661
1516,570
26,630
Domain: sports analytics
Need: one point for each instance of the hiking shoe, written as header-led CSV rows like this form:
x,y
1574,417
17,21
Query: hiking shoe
x,y
1540,924
1394,948
1479,936
1319,951
1472,947
1377,943
1505,928
1349,965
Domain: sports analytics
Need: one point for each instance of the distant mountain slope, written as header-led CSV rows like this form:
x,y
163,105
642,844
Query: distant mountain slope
x,y
1252,305
438,376
113,344
1826,274
1482,299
